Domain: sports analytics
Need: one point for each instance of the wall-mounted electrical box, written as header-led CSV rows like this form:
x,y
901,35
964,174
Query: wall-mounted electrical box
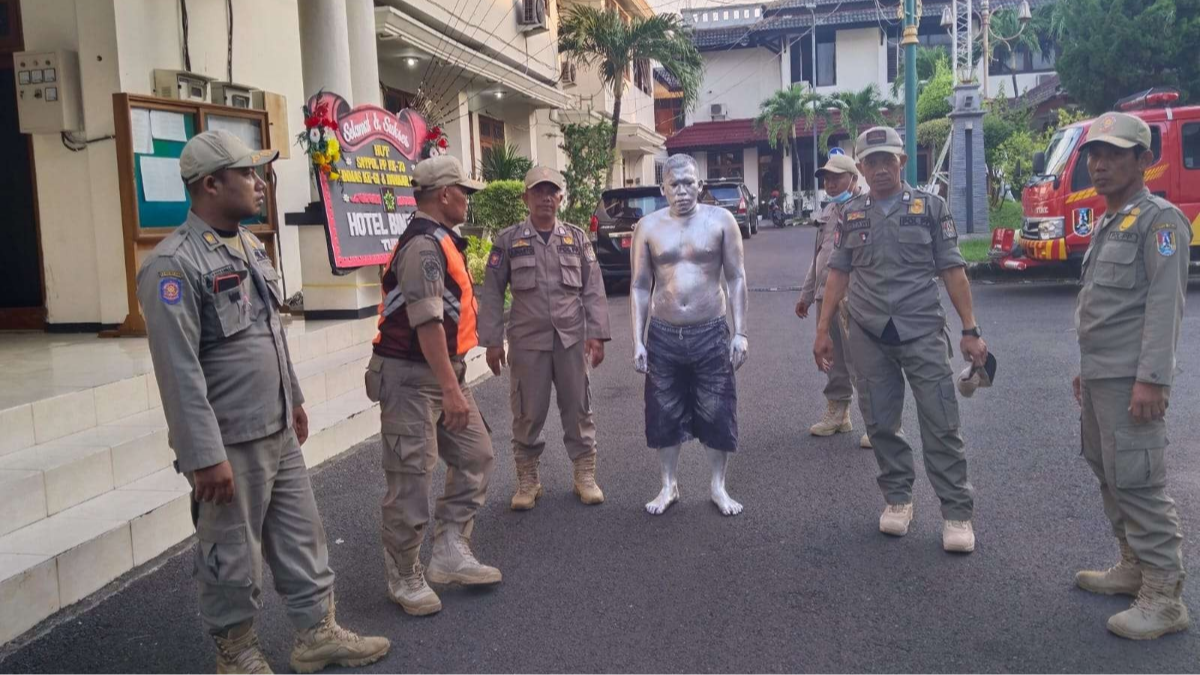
x,y
236,95
181,85
49,100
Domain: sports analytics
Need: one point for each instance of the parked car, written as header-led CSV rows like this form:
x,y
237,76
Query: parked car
x,y
735,198
612,226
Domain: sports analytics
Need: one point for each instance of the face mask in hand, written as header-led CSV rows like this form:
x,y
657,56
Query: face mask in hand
x,y
842,198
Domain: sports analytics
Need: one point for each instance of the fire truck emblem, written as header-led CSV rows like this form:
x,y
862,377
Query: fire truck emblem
x,y
1083,222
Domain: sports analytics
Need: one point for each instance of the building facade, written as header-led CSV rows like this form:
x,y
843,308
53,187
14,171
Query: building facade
x,y
752,50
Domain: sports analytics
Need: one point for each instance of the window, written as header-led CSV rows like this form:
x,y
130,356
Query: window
x,y
491,133
826,60
724,164
395,100
893,57
1023,60
668,115
1191,146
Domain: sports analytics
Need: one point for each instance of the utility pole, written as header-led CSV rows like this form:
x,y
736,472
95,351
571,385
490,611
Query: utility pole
x,y
910,88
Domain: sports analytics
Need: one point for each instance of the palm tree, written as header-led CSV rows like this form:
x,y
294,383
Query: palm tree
x,y
601,38
856,111
1004,22
780,113
928,59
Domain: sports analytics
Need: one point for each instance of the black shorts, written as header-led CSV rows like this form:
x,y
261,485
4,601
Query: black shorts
x,y
690,391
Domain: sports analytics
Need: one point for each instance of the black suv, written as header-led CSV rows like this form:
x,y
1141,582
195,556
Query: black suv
x,y
734,197
612,226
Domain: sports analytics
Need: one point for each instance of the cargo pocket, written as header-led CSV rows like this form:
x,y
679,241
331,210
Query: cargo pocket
x,y
232,310
404,448
223,556
861,254
948,398
1141,456
272,279
374,378
865,401
1116,265
524,273
514,397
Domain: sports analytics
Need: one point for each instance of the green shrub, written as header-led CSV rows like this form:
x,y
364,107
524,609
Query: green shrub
x,y
934,99
499,205
477,257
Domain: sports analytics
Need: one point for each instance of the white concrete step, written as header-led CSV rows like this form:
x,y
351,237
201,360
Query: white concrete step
x,y
106,521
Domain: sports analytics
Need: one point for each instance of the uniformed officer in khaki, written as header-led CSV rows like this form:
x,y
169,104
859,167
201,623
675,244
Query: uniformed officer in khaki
x,y
235,417
427,327
842,183
557,328
888,250
1129,313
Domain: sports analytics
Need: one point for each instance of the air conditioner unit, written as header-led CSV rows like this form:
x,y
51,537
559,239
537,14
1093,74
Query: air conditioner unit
x,y
569,72
718,112
532,18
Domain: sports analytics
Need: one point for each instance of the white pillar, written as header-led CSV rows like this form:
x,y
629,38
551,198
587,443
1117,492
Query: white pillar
x,y
750,168
785,64
785,149
325,61
457,127
364,59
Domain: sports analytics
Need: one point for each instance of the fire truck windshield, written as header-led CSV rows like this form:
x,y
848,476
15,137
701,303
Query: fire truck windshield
x,y
1059,150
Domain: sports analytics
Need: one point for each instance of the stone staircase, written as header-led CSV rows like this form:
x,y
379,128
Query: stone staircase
x,y
87,490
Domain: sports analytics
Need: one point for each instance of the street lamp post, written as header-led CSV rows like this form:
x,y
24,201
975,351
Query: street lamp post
x,y
950,22
812,7
910,88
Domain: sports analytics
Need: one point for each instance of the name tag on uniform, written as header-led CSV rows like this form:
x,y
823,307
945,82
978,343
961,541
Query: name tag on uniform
x,y
568,249
913,221
858,225
1131,237
516,251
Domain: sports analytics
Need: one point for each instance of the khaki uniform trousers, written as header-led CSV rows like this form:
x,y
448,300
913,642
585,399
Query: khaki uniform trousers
x,y
410,402
1130,462
273,514
530,375
881,370
840,385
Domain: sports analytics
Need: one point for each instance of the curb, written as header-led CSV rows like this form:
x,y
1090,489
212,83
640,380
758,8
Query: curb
x,y
990,271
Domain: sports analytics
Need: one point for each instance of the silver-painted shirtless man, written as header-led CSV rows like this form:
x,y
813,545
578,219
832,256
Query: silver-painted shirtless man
x,y
681,340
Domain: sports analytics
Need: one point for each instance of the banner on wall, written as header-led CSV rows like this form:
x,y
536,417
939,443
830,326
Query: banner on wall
x,y
364,179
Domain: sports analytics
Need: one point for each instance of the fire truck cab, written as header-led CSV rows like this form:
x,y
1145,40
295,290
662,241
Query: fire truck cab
x,y
1062,209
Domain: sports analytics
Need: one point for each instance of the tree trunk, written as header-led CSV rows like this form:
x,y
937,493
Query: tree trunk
x,y
797,178
618,92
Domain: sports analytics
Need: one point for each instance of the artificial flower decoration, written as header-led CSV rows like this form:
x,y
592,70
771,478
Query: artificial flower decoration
x,y
435,143
319,140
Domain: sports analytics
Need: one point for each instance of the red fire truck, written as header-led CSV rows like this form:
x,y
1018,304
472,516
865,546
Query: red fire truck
x,y
1061,207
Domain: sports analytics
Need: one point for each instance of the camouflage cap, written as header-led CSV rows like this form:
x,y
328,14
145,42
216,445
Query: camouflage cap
x,y
1119,129
211,151
878,139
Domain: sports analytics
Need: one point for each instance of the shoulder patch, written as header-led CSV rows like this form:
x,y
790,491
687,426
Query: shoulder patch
x,y
431,266
170,290
495,257
589,252
949,230
1167,244
170,274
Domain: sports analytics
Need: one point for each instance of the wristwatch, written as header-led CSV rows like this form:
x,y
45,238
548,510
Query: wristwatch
x,y
972,332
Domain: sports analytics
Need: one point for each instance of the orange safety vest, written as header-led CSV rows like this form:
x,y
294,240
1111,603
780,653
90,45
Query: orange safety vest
x,y
396,338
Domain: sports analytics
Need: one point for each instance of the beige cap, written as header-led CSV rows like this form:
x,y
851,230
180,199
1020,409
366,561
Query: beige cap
x,y
443,171
1119,129
878,139
838,164
544,174
209,152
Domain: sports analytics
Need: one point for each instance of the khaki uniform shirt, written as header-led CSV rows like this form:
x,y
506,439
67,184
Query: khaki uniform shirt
x,y
557,288
420,270
893,257
1130,308
814,282
219,349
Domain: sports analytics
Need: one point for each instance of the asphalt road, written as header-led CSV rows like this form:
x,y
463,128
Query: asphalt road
x,y
801,581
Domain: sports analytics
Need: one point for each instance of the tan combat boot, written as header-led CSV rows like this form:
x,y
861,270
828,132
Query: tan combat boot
x,y
453,560
238,651
585,480
865,442
835,421
406,584
529,486
328,644
895,519
1124,578
1157,610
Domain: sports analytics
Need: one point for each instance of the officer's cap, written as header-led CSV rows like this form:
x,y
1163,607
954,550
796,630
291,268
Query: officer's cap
x,y
878,139
838,164
1123,131
544,174
443,171
211,151
973,377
